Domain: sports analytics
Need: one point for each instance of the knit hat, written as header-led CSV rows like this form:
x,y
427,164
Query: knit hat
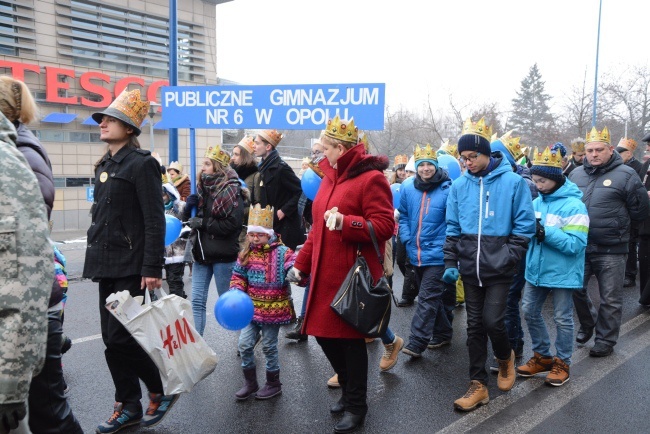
x,y
548,163
476,137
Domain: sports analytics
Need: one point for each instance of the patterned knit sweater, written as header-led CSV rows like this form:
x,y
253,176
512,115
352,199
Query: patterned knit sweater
x,y
263,278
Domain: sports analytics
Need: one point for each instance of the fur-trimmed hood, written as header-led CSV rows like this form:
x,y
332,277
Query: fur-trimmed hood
x,y
353,163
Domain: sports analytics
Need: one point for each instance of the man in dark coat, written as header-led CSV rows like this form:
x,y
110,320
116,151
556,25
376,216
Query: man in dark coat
x,y
577,157
125,252
644,237
614,197
279,187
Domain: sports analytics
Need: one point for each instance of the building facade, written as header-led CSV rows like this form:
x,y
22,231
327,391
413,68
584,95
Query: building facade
x,y
76,56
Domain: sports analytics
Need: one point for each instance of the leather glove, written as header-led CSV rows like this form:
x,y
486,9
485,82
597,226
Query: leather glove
x,y
195,222
294,275
540,232
11,415
450,276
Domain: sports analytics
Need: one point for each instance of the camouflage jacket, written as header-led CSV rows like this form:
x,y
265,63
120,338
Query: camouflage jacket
x,y
26,273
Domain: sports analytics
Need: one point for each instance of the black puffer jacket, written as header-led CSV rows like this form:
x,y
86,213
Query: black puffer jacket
x,y
614,197
644,228
38,160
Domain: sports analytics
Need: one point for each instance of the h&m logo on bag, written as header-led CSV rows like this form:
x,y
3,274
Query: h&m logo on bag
x,y
175,342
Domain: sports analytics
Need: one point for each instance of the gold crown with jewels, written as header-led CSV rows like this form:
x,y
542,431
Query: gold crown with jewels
x,y
247,143
595,136
629,144
258,216
451,149
401,159
216,153
547,158
513,146
343,130
578,145
479,128
424,153
271,136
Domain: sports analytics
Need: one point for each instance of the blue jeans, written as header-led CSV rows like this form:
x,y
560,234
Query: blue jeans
x,y
430,310
610,272
201,277
534,298
388,337
513,318
248,338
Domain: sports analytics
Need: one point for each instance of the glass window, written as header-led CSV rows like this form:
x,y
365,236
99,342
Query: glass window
x,y
77,182
52,136
59,182
82,14
94,138
77,136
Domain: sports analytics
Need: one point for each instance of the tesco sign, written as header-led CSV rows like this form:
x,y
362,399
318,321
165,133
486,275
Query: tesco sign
x,y
95,83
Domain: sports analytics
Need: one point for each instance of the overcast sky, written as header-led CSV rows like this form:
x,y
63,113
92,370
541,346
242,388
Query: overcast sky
x,y
476,50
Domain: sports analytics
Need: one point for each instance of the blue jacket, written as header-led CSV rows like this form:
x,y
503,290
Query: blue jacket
x,y
422,225
490,221
559,261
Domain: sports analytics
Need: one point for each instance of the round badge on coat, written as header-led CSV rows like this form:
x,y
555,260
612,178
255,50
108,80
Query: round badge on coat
x,y
607,182
103,177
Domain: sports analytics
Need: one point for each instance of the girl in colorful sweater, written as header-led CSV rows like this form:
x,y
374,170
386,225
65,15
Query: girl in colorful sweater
x,y
261,272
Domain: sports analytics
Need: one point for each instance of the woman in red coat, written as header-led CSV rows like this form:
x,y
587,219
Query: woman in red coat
x,y
354,183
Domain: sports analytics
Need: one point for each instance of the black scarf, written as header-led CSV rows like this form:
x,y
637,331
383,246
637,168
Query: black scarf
x,y
266,161
243,171
439,177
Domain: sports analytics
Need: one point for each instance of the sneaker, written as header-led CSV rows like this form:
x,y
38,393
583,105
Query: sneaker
x,y
559,374
506,375
537,364
159,405
438,342
476,395
411,352
601,350
120,418
334,382
391,351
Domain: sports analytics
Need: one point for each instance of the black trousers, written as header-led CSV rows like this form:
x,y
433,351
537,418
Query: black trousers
x,y
349,358
49,412
486,311
127,361
630,265
174,275
410,288
644,266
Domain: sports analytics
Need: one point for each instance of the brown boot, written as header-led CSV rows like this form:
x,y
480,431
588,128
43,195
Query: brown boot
x,y
334,382
506,376
559,373
476,395
391,351
537,364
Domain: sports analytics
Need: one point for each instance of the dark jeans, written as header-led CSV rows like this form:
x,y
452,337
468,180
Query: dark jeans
x,y
49,412
610,272
127,361
513,316
349,358
644,262
430,311
174,274
443,328
486,309
630,264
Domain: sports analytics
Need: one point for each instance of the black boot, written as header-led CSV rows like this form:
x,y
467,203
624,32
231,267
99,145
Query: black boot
x,y
250,384
349,422
295,333
272,388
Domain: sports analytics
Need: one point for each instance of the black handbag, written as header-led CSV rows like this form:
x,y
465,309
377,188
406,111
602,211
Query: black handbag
x,y
360,302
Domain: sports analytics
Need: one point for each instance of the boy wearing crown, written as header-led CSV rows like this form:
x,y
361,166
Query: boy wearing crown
x,y
485,242
615,198
554,263
577,155
422,227
125,251
279,187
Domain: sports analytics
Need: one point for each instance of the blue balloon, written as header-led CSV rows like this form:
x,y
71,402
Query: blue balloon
x,y
243,184
173,228
396,194
310,183
451,165
234,310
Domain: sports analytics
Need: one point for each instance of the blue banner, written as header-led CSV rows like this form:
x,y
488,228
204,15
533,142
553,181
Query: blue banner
x,y
283,107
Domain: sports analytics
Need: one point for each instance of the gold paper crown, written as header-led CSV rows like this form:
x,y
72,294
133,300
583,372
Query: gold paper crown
x,y
479,128
451,149
401,159
343,130
127,107
258,216
425,153
363,140
595,136
547,158
247,143
271,136
513,146
176,166
578,145
629,144
216,153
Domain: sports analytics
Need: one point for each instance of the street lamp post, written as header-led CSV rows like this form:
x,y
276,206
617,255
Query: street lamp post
x,y
153,107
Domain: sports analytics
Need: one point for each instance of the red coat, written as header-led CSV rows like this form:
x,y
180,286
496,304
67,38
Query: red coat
x,y
361,192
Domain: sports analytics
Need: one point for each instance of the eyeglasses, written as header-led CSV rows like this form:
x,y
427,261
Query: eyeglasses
x,y
257,235
316,152
471,158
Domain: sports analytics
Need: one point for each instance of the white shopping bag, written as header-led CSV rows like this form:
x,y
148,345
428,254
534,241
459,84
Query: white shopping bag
x,y
165,330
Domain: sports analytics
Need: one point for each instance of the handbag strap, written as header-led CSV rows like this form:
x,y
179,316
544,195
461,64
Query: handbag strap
x,y
374,242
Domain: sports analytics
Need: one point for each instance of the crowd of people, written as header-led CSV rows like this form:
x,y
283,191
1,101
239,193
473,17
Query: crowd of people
x,y
499,239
